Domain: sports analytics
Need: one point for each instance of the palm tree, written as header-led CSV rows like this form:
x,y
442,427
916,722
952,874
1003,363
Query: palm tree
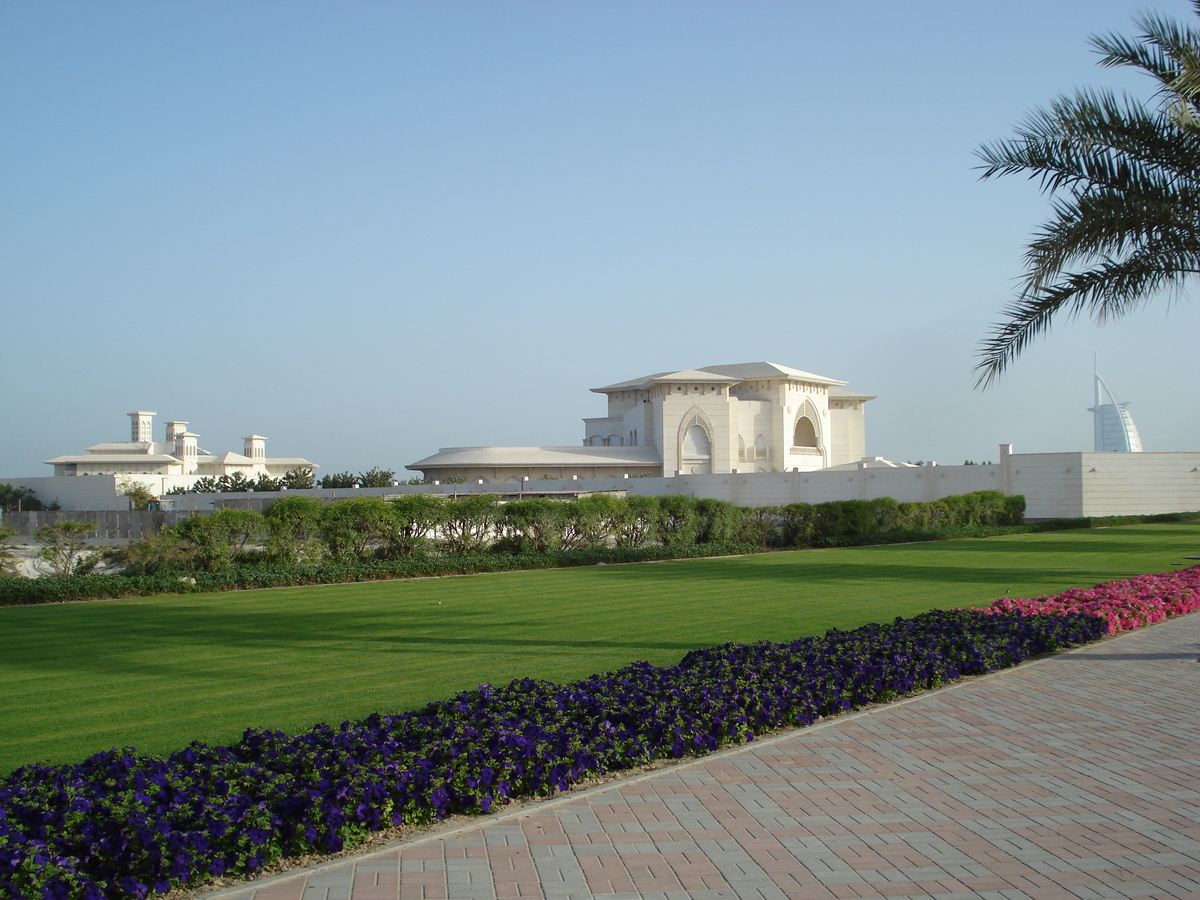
x,y
1125,180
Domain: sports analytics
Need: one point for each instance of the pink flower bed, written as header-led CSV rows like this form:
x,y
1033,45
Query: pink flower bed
x,y
1125,605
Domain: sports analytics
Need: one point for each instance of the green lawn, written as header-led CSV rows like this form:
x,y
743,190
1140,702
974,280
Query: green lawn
x,y
158,672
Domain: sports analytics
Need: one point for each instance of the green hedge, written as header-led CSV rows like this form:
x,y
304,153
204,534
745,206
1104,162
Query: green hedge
x,y
687,528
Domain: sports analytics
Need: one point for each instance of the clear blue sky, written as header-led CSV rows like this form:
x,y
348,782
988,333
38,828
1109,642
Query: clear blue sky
x,y
369,230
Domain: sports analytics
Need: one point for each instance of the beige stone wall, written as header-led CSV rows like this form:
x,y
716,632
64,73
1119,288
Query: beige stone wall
x,y
1053,485
1050,482
1115,484
847,427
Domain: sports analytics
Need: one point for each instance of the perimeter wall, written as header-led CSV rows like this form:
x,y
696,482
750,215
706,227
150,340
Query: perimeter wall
x,y
1055,485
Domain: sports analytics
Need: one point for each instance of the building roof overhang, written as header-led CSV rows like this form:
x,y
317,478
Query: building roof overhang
x,y
122,447
843,394
524,457
769,370
98,459
732,374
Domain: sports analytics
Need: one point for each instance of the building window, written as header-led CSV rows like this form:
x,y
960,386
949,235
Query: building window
x,y
805,434
697,451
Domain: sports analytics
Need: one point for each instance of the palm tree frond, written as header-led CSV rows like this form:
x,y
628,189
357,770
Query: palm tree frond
x,y
1124,181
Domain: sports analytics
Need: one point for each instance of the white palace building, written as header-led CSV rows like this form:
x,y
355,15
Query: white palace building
x,y
749,417
97,478
178,455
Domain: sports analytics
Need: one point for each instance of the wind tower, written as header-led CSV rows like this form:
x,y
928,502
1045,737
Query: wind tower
x,y
1115,431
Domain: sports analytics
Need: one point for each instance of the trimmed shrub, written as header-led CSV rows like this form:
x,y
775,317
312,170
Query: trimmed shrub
x,y
636,524
534,525
760,525
719,522
678,520
469,522
798,522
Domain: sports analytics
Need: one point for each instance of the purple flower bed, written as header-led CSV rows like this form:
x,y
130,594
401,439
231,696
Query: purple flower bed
x,y
123,824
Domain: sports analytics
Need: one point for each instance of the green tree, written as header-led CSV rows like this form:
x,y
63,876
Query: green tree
x,y
636,522
242,526
590,521
1125,180
160,551
292,524
532,525
678,521
237,483
139,495
354,527
264,483
14,499
339,480
719,521
66,550
762,525
214,540
298,479
207,546
469,523
376,477
797,521
415,517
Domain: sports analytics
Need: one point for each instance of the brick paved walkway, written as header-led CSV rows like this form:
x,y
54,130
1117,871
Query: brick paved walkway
x,y
1076,776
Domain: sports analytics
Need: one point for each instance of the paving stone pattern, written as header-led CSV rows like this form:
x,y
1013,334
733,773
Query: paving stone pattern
x,y
1077,776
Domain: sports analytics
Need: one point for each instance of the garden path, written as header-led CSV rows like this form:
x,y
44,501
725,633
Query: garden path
x,y
1071,777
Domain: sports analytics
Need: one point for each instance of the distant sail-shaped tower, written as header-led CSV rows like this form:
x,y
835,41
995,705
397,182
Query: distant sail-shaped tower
x,y
1115,431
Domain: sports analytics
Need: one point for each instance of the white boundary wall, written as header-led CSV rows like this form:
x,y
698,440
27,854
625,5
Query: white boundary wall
x,y
1055,485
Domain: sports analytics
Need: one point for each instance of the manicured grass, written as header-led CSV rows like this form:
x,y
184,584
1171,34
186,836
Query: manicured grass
x,y
158,672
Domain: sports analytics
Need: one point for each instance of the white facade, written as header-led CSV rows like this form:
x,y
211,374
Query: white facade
x,y
179,456
750,417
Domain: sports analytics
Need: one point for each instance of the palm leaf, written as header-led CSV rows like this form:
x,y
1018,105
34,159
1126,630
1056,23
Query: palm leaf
x,y
1124,180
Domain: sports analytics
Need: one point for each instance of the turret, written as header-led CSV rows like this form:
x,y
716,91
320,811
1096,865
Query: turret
x,y
185,451
254,446
143,425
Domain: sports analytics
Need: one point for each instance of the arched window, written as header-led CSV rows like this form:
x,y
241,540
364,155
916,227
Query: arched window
x,y
760,448
697,451
741,448
595,441
696,442
805,434
615,440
